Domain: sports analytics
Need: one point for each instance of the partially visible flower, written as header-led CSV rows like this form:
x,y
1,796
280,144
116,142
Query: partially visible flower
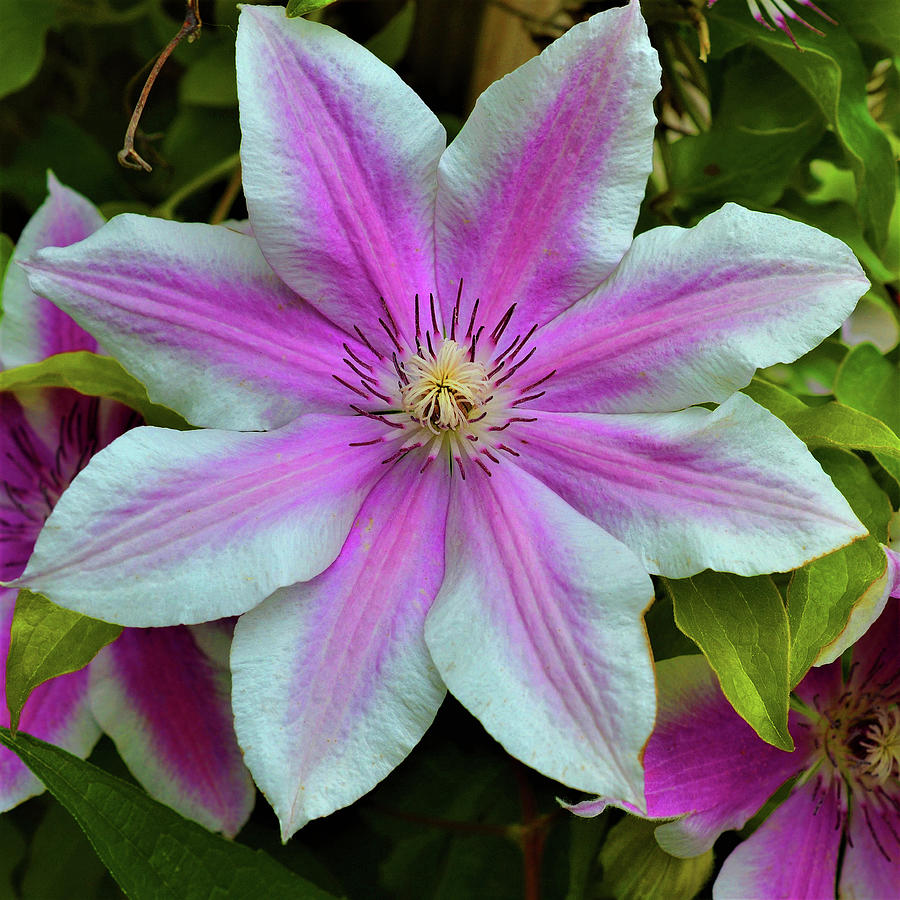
x,y
449,412
162,699
838,827
779,11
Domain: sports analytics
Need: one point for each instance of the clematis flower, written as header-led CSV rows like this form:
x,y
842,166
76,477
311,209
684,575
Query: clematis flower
x,y
441,389
779,11
837,830
156,692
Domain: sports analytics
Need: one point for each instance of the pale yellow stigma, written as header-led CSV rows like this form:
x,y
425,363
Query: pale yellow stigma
x,y
882,744
445,389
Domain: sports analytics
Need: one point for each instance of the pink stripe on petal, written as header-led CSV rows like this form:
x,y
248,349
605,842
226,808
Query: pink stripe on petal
x,y
690,314
893,559
44,444
705,760
339,159
333,684
538,631
871,864
171,527
32,328
29,484
794,853
57,711
198,315
539,193
168,709
732,490
875,653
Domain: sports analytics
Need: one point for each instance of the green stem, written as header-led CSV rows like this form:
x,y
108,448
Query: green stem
x,y
166,209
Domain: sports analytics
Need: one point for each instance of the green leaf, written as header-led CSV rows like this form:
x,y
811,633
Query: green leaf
x,y
833,73
148,848
95,376
836,425
12,852
60,856
812,375
822,595
304,7
870,383
24,27
665,637
777,400
391,43
586,836
76,157
753,145
851,476
465,786
741,626
6,251
196,140
210,79
46,641
873,22
635,867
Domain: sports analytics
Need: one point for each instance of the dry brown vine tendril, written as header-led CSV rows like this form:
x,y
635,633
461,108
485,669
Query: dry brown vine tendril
x,y
190,29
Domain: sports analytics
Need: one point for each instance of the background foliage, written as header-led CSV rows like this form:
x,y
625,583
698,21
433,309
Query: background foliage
x,y
812,135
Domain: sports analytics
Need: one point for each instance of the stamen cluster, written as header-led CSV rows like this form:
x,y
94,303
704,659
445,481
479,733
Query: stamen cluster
x,y
445,392
858,739
441,392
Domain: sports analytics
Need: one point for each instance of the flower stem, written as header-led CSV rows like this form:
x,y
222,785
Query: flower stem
x,y
190,29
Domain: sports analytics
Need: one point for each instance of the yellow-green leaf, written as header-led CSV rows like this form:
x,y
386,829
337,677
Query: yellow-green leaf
x,y
741,626
47,641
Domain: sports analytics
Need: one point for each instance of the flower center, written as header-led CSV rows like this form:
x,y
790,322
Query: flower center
x,y
878,744
444,390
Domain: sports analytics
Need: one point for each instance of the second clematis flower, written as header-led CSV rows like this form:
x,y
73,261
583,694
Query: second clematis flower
x,y
161,694
836,832
447,412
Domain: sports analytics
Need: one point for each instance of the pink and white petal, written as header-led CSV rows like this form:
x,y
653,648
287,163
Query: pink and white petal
x,y
733,490
538,631
339,159
167,707
333,683
874,654
690,314
893,559
871,864
539,193
32,328
197,314
28,463
48,434
57,711
793,854
705,761
587,809
820,687
176,527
